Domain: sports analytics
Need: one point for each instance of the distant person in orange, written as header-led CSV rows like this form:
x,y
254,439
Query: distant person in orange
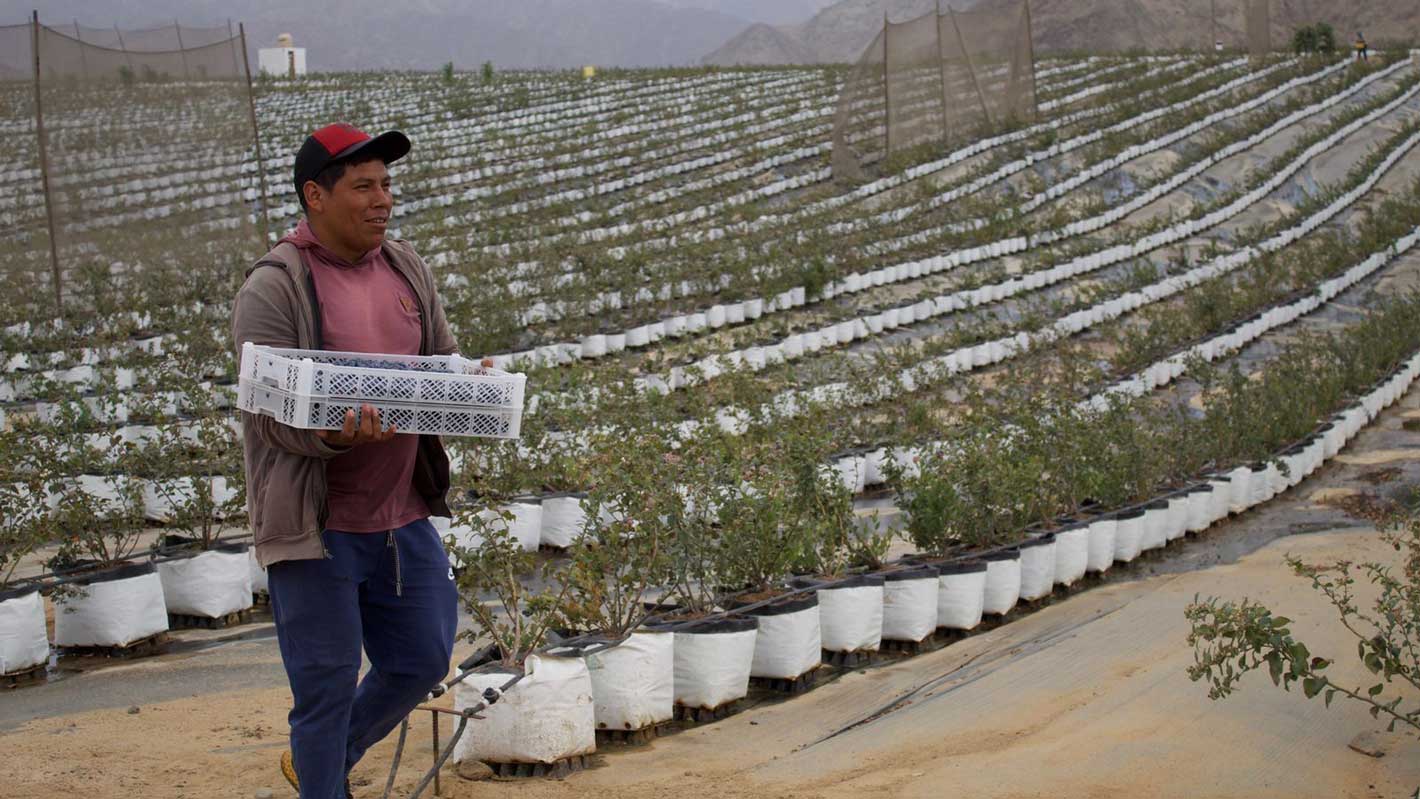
x,y
1363,50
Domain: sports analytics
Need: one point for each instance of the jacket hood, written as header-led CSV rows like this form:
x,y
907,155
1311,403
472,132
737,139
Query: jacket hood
x,y
305,239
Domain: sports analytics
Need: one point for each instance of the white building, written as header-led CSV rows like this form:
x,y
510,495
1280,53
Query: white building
x,y
282,61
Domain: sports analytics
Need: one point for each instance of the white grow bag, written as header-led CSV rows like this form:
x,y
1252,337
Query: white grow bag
x,y
789,642
162,499
910,603
851,614
1128,534
259,579
563,516
160,504
1267,482
961,594
463,535
1333,439
1240,495
1102,532
526,525
1003,582
873,467
116,609
1179,516
1222,497
632,682
1200,508
545,717
851,471
1154,526
1072,554
1037,567
24,640
713,660
210,584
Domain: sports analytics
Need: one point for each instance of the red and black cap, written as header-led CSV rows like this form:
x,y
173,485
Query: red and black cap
x,y
340,142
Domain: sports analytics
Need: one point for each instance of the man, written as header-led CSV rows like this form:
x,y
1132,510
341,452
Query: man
x,y
1363,50
340,518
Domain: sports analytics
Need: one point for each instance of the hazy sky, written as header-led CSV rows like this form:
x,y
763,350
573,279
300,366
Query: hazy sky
x,y
423,34
128,13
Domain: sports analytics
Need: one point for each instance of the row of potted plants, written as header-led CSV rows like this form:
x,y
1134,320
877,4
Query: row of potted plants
x,y
597,344
999,514
1364,177
84,510
1001,598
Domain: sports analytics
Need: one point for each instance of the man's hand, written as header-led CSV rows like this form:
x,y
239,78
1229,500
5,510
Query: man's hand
x,y
367,432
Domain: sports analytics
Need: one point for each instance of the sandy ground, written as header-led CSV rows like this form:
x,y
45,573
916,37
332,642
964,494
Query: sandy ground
x,y
1087,697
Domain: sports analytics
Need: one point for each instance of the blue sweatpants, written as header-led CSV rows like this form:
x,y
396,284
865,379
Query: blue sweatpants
x,y
393,592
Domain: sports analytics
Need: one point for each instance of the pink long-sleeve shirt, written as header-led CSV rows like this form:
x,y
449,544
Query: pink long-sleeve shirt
x,y
366,306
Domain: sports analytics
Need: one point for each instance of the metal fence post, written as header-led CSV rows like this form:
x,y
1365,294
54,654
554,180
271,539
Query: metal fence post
x,y
256,135
55,273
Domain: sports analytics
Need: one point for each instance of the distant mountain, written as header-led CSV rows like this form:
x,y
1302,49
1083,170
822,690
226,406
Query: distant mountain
x,y
761,45
840,32
423,34
836,34
772,12
1111,25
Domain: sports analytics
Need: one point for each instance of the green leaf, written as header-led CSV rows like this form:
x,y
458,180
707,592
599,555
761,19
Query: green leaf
x,y
1329,694
1376,689
1311,686
1274,667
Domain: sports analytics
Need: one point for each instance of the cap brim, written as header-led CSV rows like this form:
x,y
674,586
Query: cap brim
x,y
390,146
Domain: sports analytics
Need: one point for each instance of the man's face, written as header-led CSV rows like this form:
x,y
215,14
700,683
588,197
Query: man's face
x,y
356,210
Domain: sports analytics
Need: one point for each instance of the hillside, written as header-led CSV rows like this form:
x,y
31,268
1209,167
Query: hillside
x,y
773,12
836,34
840,32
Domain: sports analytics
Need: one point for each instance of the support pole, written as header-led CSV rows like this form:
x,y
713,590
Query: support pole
x,y
1213,18
55,275
434,720
971,68
232,38
126,56
942,73
887,95
182,51
83,62
1030,54
256,136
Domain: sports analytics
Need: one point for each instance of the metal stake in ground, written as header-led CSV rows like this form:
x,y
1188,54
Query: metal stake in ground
x,y
256,136
44,179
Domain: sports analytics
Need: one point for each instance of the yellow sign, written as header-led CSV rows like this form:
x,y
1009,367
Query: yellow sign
x,y
589,72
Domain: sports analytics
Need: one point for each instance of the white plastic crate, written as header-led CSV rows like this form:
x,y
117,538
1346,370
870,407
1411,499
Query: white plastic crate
x,y
441,394
436,379
328,413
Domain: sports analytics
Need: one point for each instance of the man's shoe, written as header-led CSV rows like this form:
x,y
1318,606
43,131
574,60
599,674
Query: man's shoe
x,y
288,770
